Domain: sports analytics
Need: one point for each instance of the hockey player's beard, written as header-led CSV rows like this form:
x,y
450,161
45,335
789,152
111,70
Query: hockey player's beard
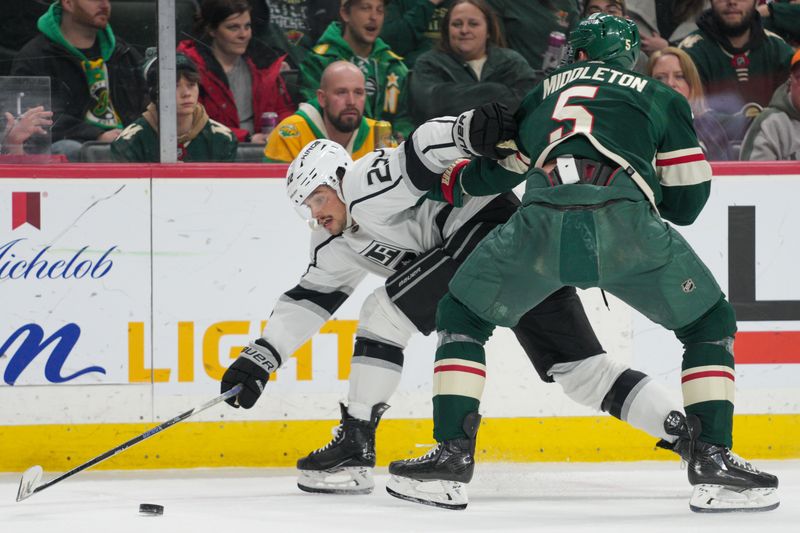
x,y
348,123
735,30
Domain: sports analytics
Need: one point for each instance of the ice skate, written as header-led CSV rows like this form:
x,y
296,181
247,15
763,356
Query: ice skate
x,y
438,478
344,465
722,481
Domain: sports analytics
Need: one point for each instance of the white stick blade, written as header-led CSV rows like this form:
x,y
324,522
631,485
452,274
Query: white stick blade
x,y
30,480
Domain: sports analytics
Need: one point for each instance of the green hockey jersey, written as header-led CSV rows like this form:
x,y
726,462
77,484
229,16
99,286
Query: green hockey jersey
x,y
608,114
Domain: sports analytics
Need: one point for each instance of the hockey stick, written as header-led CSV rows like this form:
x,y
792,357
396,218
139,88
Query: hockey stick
x,y
29,484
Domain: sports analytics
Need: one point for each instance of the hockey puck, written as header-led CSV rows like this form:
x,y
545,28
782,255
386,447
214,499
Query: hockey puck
x,y
151,509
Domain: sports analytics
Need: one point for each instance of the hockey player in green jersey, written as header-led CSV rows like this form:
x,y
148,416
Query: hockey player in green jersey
x,y
614,157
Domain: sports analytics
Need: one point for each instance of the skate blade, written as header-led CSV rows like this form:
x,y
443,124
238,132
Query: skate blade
x,y
436,493
347,480
719,499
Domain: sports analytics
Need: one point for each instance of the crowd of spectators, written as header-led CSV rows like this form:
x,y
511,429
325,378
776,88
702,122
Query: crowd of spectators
x,y
275,74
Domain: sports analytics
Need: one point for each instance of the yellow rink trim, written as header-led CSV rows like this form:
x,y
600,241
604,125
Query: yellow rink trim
x,y
225,444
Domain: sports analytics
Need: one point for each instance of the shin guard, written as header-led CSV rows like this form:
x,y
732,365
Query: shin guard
x,y
707,377
459,368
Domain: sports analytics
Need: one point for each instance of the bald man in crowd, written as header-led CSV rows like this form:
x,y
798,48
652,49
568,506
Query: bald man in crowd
x,y
337,113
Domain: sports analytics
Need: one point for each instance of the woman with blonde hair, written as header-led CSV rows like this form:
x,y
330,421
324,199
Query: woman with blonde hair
x,y
673,67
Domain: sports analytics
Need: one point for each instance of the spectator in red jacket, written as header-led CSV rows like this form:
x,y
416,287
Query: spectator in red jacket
x,y
236,85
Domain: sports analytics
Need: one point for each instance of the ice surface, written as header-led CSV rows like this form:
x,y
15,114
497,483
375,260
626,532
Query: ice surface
x,y
546,497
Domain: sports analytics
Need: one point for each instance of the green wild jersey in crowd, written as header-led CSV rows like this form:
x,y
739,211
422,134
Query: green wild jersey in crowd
x,y
591,110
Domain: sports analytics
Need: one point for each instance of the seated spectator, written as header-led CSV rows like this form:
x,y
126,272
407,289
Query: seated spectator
x,y
674,68
527,28
236,85
783,18
775,133
412,27
337,113
18,131
664,23
618,9
355,39
738,61
470,67
96,81
200,138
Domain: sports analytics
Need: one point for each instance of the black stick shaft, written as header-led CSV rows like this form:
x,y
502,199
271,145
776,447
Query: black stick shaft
x,y
136,440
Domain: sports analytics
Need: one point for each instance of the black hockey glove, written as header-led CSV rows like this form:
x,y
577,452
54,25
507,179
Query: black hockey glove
x,y
252,369
479,131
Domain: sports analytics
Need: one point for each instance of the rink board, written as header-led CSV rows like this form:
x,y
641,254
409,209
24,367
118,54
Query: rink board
x,y
125,290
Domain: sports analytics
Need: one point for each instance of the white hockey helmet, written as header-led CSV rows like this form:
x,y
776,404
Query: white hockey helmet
x,y
320,162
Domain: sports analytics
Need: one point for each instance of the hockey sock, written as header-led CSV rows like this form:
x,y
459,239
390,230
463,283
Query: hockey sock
x,y
602,383
707,377
643,403
459,371
374,376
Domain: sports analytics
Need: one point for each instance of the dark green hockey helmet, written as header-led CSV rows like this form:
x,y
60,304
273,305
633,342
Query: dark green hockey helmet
x,y
606,38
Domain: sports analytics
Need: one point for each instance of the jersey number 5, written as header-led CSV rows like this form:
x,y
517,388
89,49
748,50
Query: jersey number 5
x,y
581,118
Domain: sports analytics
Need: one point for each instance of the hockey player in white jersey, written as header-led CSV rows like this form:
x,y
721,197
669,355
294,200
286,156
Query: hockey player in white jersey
x,y
376,218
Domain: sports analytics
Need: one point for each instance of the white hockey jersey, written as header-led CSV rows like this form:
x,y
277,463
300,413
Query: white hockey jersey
x,y
392,224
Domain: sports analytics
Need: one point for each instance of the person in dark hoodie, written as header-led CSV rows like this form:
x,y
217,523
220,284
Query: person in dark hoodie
x,y
775,133
355,39
96,82
200,138
739,62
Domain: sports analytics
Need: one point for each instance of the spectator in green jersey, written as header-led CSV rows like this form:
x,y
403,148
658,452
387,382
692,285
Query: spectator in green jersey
x,y
738,61
199,137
